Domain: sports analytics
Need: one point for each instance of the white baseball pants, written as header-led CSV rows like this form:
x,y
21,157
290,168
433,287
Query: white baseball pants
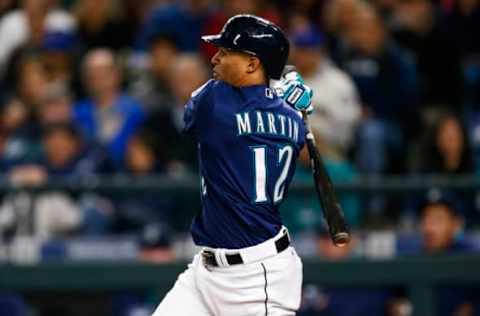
x,y
270,287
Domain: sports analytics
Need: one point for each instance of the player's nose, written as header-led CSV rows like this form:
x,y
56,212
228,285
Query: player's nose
x,y
214,59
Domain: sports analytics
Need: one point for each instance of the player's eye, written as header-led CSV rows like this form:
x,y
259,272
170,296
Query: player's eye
x,y
222,52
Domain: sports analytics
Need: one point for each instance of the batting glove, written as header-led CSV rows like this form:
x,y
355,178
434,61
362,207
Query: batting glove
x,y
295,92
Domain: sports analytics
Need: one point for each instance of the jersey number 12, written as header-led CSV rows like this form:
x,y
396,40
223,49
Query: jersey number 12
x,y
260,157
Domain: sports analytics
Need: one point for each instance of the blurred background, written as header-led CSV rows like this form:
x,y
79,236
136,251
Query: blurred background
x,y
98,186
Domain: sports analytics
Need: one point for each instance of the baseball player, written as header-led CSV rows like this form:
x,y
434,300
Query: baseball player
x,y
248,142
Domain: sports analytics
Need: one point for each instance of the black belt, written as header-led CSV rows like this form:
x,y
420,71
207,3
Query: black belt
x,y
209,256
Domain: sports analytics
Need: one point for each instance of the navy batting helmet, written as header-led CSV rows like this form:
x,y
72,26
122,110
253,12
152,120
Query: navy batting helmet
x,y
255,36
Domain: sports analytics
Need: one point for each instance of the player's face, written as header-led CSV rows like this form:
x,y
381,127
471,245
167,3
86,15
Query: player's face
x,y
230,66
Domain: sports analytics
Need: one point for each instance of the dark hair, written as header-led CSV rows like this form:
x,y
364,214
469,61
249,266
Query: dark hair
x,y
162,37
434,161
435,196
61,127
145,137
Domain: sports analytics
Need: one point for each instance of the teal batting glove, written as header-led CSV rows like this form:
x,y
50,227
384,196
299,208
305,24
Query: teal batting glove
x,y
295,92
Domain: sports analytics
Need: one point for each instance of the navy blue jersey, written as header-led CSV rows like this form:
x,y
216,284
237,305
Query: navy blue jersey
x,y
248,144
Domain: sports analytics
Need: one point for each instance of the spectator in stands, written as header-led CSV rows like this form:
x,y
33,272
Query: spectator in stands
x,y
387,82
57,54
342,301
312,9
48,214
108,116
19,145
32,81
184,21
156,244
188,73
425,32
337,108
447,149
152,87
28,24
141,158
55,106
441,228
66,154
137,212
301,213
441,225
338,16
44,216
100,24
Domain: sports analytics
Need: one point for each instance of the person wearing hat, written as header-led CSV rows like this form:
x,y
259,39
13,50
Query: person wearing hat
x,y
57,53
333,122
247,265
441,223
342,301
337,107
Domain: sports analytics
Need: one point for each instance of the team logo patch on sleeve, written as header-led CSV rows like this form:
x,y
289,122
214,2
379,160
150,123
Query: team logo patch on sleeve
x,y
269,93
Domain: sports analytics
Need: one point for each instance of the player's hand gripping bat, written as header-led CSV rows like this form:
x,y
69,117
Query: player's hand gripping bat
x,y
337,227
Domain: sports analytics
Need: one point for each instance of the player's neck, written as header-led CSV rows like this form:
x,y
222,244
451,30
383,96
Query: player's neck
x,y
251,80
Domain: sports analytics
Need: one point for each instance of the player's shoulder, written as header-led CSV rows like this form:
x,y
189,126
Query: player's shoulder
x,y
203,89
211,87
220,85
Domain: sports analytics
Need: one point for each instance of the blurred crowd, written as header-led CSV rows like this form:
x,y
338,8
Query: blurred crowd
x,y
440,222
97,87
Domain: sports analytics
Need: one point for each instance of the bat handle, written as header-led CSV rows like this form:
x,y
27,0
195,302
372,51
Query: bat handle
x,y
305,117
307,124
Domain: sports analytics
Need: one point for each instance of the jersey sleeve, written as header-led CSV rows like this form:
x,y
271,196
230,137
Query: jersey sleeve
x,y
302,130
303,134
195,106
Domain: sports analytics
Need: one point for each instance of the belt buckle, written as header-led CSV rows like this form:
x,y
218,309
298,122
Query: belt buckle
x,y
208,258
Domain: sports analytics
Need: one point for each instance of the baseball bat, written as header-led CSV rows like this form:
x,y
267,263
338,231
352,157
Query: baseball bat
x,y
332,211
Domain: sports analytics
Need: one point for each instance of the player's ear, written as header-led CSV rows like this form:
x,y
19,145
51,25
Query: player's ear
x,y
253,64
